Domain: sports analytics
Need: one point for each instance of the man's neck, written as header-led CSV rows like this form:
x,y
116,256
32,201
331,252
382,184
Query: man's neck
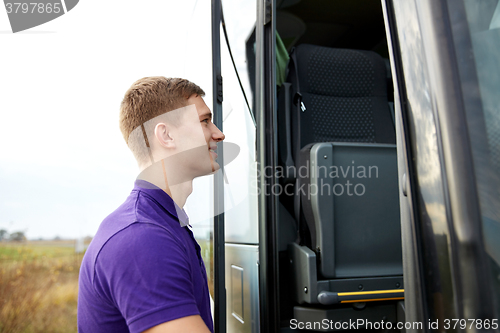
x,y
180,192
165,178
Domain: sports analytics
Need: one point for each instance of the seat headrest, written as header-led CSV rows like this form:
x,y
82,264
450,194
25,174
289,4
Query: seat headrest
x,y
340,72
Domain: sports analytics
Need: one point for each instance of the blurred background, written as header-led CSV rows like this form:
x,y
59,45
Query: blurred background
x,y
64,165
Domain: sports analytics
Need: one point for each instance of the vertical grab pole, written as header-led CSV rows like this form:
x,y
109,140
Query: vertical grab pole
x,y
219,255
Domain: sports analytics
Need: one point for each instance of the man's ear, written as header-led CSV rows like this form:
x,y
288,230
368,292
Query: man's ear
x,y
164,135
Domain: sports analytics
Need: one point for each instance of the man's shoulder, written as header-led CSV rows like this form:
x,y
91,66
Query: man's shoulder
x,y
140,210
120,219
136,225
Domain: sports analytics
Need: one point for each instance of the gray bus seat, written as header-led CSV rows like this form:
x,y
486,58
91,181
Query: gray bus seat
x,y
350,202
339,116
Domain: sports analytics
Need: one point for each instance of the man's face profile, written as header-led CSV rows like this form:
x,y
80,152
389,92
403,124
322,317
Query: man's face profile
x,y
183,144
197,138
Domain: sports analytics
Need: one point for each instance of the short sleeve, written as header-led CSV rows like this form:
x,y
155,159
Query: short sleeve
x,y
145,272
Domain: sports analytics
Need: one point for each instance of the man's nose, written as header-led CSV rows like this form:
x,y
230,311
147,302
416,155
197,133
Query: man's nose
x,y
217,135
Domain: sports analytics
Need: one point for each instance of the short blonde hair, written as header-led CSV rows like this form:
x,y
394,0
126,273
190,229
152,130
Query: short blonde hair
x,y
146,99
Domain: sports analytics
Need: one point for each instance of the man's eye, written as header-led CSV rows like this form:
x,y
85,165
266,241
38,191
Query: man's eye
x,y
205,121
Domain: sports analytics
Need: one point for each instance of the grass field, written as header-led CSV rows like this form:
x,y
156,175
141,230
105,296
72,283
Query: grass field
x,y
207,253
38,286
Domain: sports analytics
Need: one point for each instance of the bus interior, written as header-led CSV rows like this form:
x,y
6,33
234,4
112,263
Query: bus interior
x,y
339,227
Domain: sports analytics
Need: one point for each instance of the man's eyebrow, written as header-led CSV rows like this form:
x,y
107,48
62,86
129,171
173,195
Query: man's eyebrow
x,y
209,114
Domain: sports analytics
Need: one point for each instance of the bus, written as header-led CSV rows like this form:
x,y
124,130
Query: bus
x,y
360,180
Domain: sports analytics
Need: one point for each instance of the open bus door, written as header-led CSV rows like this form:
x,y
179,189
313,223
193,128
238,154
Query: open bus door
x,y
433,237
246,60
233,241
247,63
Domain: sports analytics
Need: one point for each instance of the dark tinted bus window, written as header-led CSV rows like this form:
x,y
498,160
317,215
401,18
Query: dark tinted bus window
x,y
476,32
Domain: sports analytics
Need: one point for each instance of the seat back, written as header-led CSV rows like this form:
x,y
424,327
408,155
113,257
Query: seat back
x,y
340,118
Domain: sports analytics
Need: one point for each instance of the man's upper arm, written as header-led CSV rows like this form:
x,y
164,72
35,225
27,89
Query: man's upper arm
x,y
190,324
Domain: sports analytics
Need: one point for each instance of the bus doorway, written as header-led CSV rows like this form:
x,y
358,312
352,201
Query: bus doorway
x,y
353,198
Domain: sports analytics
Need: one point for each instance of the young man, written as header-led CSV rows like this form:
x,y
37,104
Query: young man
x,y
143,271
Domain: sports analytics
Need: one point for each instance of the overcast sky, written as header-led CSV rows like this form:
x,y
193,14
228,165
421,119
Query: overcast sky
x,y
64,165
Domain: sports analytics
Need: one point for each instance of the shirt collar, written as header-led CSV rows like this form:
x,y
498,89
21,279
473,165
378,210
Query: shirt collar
x,y
163,199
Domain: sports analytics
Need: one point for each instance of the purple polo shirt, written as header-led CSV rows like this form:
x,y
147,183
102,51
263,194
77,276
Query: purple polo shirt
x,y
143,268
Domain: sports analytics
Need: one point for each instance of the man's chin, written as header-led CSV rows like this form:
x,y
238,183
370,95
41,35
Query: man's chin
x,y
215,167
210,170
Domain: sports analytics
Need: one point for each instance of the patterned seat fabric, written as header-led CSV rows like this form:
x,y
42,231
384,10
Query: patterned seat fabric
x,y
345,97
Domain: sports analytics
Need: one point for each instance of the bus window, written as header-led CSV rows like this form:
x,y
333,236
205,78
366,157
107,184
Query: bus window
x,y
240,32
479,35
240,174
239,127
